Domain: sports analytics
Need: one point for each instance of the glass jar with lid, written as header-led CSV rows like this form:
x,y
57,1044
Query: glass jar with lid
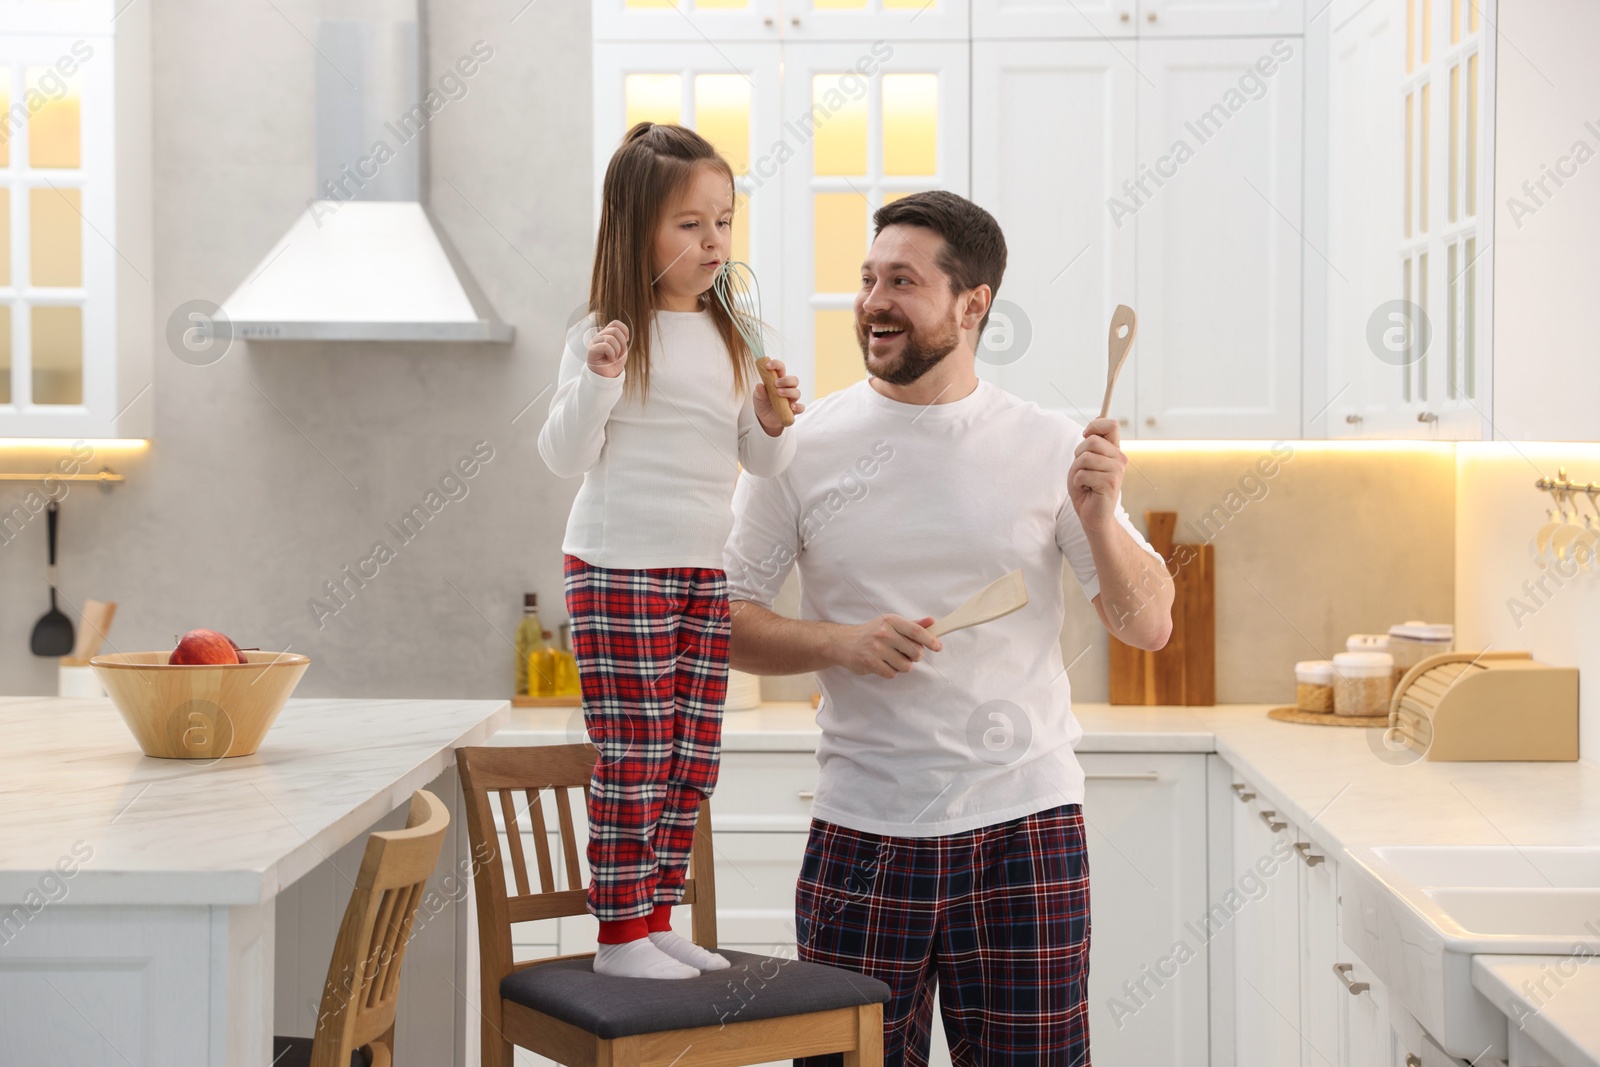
x,y
1412,642
1363,682
1314,685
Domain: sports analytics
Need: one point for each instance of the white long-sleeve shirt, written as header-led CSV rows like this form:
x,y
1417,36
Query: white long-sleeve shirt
x,y
893,508
658,474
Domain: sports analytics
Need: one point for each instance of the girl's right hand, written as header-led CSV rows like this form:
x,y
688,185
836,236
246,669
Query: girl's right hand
x,y
608,349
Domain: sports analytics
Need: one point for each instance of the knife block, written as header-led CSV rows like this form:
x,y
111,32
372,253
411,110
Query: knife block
x,y
1185,671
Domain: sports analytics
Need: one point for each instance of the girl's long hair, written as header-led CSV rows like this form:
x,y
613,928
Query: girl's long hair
x,y
654,163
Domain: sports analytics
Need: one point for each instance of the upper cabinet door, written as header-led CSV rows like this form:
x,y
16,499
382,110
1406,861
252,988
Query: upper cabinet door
x,y
867,124
729,94
1217,205
687,20
1033,20
1052,140
1231,18
867,20
59,271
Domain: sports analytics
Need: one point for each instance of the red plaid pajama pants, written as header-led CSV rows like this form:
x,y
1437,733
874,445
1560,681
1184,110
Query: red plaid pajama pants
x,y
997,918
652,650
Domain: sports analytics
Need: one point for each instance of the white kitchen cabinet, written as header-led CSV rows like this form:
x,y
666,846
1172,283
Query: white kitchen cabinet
x,y
1100,19
687,20
76,313
1320,988
1053,19
1037,105
1230,18
1193,220
1217,205
1410,128
1145,823
866,20
1264,910
1366,1039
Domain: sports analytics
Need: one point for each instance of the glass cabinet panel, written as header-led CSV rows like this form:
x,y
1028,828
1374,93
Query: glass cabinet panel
x,y
57,355
55,230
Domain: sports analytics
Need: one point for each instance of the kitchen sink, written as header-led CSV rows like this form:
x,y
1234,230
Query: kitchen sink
x,y
1417,914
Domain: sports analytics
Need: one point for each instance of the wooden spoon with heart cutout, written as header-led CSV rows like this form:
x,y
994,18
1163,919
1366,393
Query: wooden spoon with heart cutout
x,y
1124,324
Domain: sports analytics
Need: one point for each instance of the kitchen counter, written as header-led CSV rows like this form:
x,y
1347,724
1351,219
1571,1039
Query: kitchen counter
x,y
184,912
1336,783
1553,998
233,831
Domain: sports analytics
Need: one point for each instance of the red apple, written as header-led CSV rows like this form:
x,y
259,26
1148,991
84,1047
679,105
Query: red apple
x,y
205,647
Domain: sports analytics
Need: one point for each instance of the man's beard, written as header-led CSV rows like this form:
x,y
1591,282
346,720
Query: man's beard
x,y
917,357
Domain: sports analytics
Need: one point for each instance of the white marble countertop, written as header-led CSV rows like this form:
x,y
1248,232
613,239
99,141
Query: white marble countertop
x,y
234,831
1333,782
1553,998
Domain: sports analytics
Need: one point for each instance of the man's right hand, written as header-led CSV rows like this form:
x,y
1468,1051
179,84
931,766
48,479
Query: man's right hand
x,y
886,646
608,349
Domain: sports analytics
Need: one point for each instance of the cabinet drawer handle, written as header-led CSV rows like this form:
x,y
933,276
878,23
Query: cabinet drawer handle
x,y
808,794
1125,776
1343,971
1269,817
1311,858
1244,795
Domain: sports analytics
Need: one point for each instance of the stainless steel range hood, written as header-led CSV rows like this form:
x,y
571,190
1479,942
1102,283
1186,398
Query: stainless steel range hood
x,y
367,261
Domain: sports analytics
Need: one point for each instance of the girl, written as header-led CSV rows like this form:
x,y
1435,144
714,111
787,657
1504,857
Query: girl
x,y
656,410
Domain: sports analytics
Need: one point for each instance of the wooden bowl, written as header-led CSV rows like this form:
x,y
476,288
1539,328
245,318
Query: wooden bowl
x,y
199,711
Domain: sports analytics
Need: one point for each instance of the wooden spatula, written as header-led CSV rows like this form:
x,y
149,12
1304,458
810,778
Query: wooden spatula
x,y
1000,597
1124,324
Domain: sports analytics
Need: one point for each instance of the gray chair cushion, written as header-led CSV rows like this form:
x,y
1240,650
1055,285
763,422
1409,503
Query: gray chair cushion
x,y
296,1052
755,987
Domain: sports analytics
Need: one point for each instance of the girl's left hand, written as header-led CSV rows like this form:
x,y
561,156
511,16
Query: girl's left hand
x,y
788,388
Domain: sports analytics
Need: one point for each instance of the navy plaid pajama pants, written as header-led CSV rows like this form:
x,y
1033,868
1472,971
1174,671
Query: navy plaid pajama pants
x,y
998,918
652,650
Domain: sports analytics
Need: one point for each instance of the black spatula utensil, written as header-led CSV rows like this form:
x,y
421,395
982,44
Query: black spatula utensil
x,y
52,634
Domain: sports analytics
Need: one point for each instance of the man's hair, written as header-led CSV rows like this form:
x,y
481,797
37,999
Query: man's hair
x,y
974,251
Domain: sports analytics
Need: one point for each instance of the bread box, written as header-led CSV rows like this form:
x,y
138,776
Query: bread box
x,y
1487,706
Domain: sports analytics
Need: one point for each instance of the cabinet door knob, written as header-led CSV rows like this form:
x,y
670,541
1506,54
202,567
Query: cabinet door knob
x,y
794,20
1352,419
1150,420
1413,1060
1122,422
1427,416
1311,858
1270,818
767,21
1343,971
1124,16
1150,17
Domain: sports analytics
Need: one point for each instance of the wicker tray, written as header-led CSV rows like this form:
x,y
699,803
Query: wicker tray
x,y
1326,718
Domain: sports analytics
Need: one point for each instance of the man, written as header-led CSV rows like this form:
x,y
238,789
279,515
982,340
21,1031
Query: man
x,y
946,844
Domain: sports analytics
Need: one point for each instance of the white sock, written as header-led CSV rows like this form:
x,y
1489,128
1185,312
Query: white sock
x,y
686,951
639,959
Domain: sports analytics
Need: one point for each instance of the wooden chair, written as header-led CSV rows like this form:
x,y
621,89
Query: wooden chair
x,y
355,1025
762,1008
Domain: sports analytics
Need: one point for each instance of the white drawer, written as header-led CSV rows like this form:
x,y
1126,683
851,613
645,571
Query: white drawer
x,y
764,791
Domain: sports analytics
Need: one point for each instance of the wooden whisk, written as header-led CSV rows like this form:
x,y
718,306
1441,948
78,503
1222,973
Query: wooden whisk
x,y
736,290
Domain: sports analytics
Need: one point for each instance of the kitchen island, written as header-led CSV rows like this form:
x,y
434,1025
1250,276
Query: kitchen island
x,y
175,913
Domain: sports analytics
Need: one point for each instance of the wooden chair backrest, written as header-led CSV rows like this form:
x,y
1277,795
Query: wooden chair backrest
x,y
494,777
363,986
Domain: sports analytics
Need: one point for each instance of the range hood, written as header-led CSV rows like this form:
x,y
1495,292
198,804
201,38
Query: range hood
x,y
367,260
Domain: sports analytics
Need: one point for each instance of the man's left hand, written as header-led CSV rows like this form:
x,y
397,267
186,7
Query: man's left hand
x,y
1095,479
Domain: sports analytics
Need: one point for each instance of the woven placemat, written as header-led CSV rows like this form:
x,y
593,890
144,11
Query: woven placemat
x,y
1326,718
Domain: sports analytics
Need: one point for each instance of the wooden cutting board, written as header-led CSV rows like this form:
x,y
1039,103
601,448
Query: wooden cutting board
x,y
1184,672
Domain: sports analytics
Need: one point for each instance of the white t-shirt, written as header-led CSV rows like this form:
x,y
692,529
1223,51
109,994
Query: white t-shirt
x,y
893,508
657,474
